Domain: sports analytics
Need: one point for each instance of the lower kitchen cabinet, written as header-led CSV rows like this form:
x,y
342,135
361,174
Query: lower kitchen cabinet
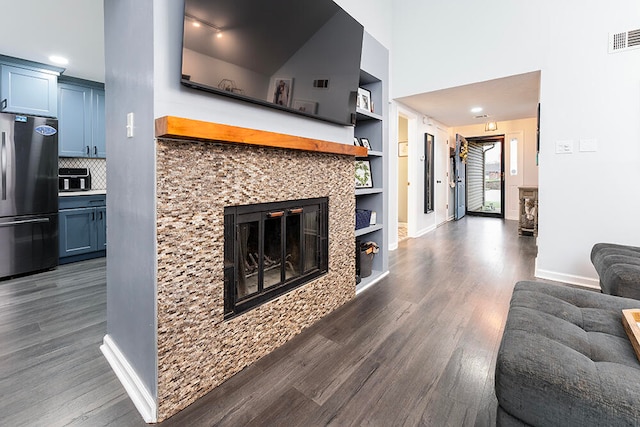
x,y
83,227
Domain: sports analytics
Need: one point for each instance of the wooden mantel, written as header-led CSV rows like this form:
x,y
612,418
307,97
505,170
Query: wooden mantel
x,y
180,128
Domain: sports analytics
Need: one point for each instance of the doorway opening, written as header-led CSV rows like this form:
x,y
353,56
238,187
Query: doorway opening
x,y
485,176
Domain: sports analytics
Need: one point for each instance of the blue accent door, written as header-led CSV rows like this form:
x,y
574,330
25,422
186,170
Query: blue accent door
x,y
460,175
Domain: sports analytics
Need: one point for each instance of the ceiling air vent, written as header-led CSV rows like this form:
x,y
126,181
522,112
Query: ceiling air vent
x,y
620,42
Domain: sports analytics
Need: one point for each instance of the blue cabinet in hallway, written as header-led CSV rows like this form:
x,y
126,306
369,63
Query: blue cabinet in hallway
x,y
28,91
83,227
82,119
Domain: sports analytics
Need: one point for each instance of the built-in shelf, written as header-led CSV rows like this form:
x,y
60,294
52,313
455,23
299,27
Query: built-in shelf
x,y
370,280
363,191
373,153
367,115
369,229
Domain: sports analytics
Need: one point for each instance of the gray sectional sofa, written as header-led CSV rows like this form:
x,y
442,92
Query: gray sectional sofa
x,y
618,267
565,360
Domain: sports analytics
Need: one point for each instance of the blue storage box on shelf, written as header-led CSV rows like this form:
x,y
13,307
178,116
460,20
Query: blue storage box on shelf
x,y
363,217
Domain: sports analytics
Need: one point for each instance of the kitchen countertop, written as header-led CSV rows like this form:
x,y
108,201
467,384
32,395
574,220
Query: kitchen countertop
x,y
81,193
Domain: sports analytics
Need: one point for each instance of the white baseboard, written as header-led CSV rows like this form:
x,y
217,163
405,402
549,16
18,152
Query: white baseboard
x,y
142,399
373,282
587,282
425,231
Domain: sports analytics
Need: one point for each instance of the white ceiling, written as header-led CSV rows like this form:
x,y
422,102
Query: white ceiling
x,y
508,98
36,29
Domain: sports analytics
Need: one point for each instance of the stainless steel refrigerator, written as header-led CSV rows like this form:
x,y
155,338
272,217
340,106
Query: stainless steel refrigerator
x,y
28,194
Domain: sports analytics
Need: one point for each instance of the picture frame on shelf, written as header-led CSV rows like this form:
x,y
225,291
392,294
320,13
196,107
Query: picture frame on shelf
x,y
309,107
365,143
356,142
363,175
282,91
403,149
364,99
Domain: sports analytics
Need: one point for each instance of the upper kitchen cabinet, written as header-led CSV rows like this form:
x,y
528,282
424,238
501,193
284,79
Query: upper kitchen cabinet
x,y
28,87
81,119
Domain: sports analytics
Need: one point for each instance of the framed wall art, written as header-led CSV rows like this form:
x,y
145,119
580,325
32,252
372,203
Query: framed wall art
x,y
363,174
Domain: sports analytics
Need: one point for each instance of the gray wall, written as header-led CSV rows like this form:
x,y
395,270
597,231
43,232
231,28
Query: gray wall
x,y
131,233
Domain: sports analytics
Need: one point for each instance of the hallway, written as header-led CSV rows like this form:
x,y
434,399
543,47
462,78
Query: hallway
x,y
416,349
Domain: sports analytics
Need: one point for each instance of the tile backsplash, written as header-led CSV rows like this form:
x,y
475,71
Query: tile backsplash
x,y
98,168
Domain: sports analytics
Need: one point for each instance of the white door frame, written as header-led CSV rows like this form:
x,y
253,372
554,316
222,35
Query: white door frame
x,y
412,195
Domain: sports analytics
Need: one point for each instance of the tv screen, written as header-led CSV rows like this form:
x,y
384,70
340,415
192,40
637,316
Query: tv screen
x,y
299,56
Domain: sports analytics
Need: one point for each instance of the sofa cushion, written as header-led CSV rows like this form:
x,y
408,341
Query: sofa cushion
x,y
622,279
602,250
565,358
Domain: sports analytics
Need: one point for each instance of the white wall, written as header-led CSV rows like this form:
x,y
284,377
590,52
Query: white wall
x,y
375,15
527,168
586,93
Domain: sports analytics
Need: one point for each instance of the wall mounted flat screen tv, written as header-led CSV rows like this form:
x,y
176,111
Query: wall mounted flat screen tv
x,y
299,56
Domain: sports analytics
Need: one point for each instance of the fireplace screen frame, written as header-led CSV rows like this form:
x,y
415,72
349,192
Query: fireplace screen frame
x,y
292,214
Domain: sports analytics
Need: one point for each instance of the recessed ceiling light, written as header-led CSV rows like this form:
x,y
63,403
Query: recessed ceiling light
x,y
476,109
196,24
58,60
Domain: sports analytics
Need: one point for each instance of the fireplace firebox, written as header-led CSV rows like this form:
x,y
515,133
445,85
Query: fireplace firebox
x,y
271,248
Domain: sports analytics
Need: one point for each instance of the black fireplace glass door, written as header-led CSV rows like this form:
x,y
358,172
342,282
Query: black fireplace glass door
x,y
293,253
249,256
272,251
311,239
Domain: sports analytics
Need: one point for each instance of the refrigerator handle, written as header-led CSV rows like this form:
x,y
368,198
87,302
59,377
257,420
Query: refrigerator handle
x,y
24,221
3,166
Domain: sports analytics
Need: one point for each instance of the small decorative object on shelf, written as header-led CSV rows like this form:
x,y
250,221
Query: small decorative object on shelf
x,y
365,143
356,142
364,99
373,219
309,107
368,251
363,174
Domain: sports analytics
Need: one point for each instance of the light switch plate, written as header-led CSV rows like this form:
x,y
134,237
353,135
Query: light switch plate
x,y
129,125
564,147
588,145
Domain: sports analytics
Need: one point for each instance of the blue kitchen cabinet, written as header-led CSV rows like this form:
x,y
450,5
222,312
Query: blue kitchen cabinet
x,y
77,235
101,228
83,227
99,117
74,125
81,119
28,91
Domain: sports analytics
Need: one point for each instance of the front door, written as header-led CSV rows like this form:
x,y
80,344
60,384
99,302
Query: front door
x,y
460,193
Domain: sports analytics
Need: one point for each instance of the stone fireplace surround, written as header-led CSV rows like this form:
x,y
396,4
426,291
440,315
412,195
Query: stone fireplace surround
x,y
201,168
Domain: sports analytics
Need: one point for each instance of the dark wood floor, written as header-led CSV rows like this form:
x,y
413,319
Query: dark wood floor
x,y
416,349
